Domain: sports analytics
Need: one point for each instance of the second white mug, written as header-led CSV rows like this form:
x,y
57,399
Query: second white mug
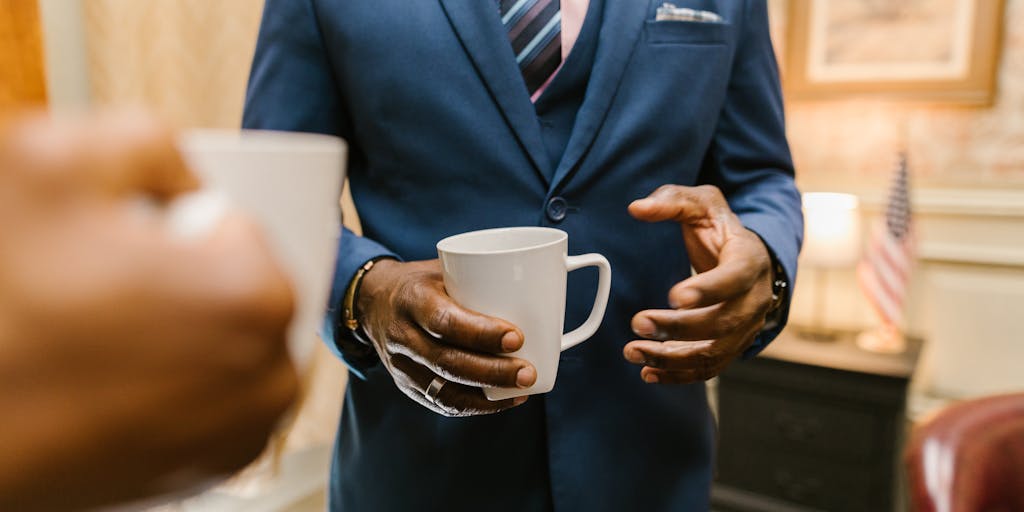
x,y
519,275
290,184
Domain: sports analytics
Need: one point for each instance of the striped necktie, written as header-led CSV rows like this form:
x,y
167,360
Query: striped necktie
x,y
534,28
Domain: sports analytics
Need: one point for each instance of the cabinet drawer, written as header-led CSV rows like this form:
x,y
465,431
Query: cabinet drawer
x,y
802,426
806,481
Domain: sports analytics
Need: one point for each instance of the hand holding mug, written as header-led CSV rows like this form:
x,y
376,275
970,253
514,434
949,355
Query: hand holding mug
x,y
421,334
133,361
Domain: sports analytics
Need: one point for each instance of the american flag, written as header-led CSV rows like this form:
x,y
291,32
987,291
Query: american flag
x,y
884,272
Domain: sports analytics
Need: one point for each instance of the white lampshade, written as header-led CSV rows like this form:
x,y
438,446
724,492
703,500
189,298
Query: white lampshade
x,y
832,230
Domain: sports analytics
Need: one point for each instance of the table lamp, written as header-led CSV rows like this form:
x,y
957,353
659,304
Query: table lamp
x,y
832,241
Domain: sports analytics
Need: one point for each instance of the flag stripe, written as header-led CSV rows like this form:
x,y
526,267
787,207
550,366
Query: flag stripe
x,y
888,307
881,302
891,284
884,271
896,255
882,257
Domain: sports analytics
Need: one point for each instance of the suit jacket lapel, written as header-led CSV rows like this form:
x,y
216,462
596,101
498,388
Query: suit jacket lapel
x,y
620,30
478,25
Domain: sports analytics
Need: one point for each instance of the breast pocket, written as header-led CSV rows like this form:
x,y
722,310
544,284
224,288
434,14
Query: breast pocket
x,y
686,32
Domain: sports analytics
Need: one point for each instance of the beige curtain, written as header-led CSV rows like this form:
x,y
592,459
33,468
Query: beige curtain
x,y
187,59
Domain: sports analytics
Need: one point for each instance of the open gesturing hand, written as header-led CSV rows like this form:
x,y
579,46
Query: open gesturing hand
x,y
718,312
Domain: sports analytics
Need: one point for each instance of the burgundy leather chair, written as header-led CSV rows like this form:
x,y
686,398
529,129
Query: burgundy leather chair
x,y
969,457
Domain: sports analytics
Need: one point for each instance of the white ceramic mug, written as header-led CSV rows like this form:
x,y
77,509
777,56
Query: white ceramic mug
x,y
519,275
290,183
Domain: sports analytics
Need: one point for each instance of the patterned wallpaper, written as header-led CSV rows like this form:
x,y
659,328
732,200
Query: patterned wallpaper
x,y
850,145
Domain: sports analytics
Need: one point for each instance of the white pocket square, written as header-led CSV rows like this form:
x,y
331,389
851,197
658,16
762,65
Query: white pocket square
x,y
669,12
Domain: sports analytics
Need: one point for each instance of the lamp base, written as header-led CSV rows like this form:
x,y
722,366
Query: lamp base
x,y
882,340
818,335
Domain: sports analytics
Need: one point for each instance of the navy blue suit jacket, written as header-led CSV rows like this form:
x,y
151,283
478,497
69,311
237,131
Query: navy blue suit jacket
x,y
444,140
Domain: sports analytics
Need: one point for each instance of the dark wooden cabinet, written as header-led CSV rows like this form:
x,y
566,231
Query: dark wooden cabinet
x,y
811,426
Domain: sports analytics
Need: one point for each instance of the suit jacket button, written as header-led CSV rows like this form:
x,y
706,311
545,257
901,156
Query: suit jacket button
x,y
557,209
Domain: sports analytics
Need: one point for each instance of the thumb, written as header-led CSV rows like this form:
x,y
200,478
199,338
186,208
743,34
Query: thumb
x,y
112,155
677,203
135,154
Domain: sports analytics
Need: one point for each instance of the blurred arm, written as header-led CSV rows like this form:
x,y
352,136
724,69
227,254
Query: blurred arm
x,y
131,363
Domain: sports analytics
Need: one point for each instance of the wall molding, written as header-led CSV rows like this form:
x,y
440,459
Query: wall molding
x,y
945,202
958,254
964,226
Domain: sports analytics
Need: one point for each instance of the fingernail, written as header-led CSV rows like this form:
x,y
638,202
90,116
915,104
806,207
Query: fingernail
x,y
635,356
511,341
651,378
643,326
526,377
520,401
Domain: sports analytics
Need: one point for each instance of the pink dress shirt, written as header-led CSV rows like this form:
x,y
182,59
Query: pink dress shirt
x,y
573,13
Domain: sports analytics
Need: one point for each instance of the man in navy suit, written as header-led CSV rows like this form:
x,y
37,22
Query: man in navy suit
x,y
651,133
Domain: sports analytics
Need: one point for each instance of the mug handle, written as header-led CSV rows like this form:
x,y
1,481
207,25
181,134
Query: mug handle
x,y
604,286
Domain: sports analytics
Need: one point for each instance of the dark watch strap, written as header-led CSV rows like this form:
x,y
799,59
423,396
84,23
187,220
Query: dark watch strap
x,y
780,292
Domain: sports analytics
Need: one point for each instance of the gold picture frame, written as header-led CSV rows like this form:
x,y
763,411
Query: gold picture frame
x,y
933,51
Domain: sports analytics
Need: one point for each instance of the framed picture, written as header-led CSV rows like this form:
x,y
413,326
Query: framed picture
x,y
936,51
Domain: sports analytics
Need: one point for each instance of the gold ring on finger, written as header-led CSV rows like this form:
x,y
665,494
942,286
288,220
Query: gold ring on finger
x,y
434,389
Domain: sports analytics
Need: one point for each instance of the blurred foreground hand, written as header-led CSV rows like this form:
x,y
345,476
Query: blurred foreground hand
x,y
132,362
